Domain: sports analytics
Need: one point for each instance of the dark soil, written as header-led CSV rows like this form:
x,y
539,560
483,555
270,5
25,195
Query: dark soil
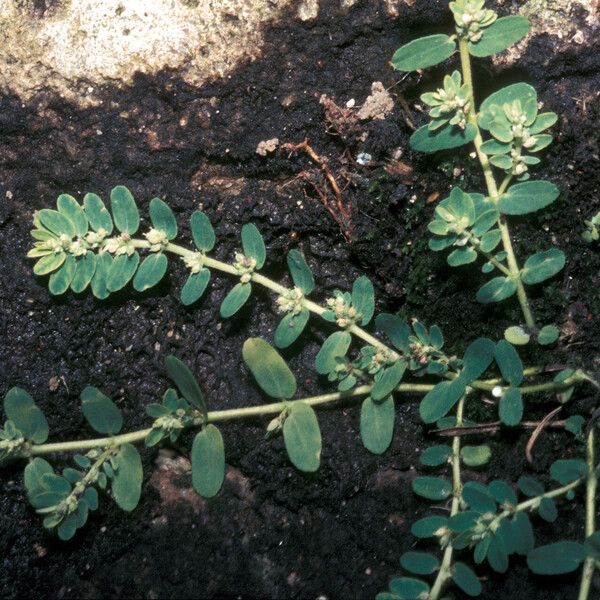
x,y
272,531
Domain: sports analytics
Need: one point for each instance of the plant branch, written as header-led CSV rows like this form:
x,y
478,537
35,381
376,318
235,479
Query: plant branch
x,y
590,516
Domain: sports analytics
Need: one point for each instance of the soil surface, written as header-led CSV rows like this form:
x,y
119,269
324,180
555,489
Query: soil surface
x,y
272,531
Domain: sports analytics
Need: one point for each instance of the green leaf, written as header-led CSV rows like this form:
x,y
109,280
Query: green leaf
x,y
478,357
440,400
420,563
66,530
387,380
516,335
61,280
162,218
490,240
195,286
85,267
202,231
556,559
444,138
56,222
475,456
235,299
253,244
186,383
478,498
125,212
97,215
492,105
500,35
121,271
432,488
336,345
547,335
423,52
529,486
409,588
70,208
510,409
574,424
208,461
49,263
496,290
290,327
100,411
461,256
494,147
547,510
98,283
509,363
464,577
363,299
20,408
151,271
377,424
523,540
527,197
542,266
127,482
497,555
302,437
270,370
434,456
428,526
501,492
396,328
300,271
567,470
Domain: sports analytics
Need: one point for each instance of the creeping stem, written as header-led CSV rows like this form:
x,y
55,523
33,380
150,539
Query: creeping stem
x,y
590,516
493,191
445,572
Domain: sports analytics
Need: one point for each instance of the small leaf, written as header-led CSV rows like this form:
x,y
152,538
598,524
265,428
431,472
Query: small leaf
x,y
61,280
516,335
432,488
423,52
547,510
377,424
510,409
186,383
194,287
49,263
300,271
500,35
98,283
523,92
121,271
150,272
127,482
547,335
290,327
556,559
208,461
363,299
125,212
567,470
336,345
56,222
162,218
202,231
66,530
70,208
270,370
27,417
529,486
98,216
396,328
444,138
478,357
475,456
502,492
387,380
527,197
100,411
440,400
85,267
409,588
461,256
420,563
464,577
428,526
253,244
302,437
496,290
478,498
235,299
509,363
434,456
523,540
542,266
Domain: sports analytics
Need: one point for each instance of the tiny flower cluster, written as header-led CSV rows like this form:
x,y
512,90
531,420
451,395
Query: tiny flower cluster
x,y
245,266
194,261
291,301
450,103
471,18
344,313
158,239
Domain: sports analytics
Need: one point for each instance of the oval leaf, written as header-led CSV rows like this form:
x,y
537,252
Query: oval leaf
x,y
432,488
336,345
202,231
70,208
151,271
527,197
377,424
235,299
500,35
423,52
510,409
302,437
100,411
195,286
186,382
444,138
542,266
496,290
125,212
98,216
300,271
162,217
208,461
556,559
290,327
121,271
509,362
27,417
127,482
387,380
253,244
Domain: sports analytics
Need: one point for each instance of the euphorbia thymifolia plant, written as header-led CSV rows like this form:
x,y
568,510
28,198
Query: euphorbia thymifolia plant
x,y
86,245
